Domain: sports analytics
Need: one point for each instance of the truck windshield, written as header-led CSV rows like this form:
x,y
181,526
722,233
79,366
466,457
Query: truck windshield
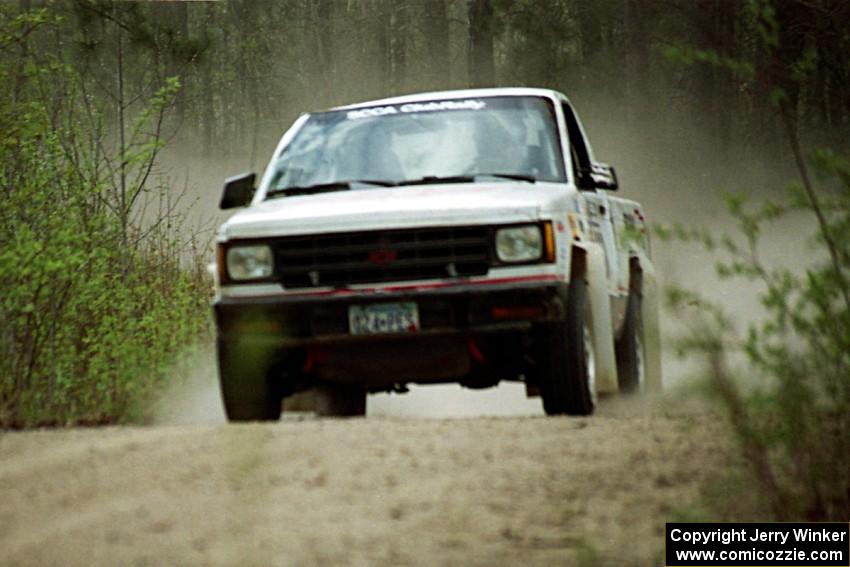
x,y
399,143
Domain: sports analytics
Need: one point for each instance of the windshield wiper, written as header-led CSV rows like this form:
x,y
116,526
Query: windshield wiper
x,y
327,187
427,180
514,176
434,179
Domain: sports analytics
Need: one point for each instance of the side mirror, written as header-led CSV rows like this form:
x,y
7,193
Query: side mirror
x,y
238,191
603,176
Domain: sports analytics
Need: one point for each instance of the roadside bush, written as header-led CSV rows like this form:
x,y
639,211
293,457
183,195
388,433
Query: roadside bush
x,y
793,422
96,303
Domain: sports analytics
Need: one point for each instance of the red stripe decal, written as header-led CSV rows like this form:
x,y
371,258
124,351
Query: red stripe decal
x,y
415,287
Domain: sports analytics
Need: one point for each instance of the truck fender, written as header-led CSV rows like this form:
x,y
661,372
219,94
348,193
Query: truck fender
x,y
651,324
600,315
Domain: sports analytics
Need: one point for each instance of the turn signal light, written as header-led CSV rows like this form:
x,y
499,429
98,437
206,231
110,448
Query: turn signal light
x,y
548,242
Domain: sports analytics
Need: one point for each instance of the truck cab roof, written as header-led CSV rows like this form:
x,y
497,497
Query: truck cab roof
x,y
457,94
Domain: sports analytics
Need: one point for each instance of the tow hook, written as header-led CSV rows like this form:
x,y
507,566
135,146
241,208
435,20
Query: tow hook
x,y
314,357
476,353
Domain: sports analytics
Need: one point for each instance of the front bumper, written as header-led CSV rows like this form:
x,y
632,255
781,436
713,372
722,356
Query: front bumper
x,y
294,320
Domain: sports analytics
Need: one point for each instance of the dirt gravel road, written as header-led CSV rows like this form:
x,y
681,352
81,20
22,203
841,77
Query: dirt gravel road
x,y
374,491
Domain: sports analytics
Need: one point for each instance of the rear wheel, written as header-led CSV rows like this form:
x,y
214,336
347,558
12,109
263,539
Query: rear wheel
x,y
631,369
340,400
567,360
248,390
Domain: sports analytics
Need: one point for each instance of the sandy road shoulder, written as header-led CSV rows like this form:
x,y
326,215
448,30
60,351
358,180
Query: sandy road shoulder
x,y
371,491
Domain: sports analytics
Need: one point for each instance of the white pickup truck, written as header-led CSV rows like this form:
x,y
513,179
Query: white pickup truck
x,y
465,236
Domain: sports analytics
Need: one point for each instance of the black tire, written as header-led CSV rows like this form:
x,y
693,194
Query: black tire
x,y
565,381
630,370
340,400
248,390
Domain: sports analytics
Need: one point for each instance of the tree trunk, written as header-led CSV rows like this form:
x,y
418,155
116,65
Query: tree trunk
x,y
207,108
725,24
590,31
181,29
481,65
325,36
794,20
637,62
437,43
383,46
705,75
172,23
399,29
20,76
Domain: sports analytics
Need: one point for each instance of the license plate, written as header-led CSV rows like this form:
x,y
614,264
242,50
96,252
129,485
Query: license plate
x,y
383,318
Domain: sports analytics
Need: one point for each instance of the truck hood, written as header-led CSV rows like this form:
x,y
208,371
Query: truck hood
x,y
400,207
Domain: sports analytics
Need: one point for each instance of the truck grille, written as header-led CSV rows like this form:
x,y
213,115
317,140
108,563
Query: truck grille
x,y
382,256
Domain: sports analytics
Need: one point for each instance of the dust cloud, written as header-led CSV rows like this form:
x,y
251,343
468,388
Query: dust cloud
x,y
193,398
192,395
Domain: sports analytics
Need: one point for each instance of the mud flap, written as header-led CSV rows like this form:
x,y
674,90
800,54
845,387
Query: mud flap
x,y
600,315
651,338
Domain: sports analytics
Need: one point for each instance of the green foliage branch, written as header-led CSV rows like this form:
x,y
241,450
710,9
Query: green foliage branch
x,y
98,299
793,425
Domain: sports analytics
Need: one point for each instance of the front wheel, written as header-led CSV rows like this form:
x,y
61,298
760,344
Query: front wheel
x,y
567,360
248,390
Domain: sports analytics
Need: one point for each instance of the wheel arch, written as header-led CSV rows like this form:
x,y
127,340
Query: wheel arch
x,y
643,280
635,274
589,264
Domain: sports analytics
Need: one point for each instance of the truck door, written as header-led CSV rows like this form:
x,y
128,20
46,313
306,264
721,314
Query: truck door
x,y
599,214
623,224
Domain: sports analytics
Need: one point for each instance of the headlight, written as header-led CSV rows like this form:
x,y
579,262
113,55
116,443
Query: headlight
x,y
519,243
249,262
